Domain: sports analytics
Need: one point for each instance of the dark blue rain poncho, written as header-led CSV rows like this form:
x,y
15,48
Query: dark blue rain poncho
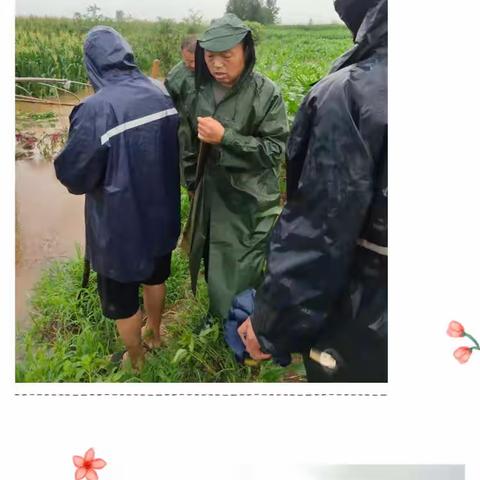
x,y
241,309
122,153
326,280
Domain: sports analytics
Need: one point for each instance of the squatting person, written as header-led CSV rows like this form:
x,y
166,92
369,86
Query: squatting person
x,y
122,154
238,128
325,291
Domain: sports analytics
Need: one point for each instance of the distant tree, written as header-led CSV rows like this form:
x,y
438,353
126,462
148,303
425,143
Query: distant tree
x,y
261,11
93,12
266,16
246,9
77,16
310,22
273,9
120,16
194,21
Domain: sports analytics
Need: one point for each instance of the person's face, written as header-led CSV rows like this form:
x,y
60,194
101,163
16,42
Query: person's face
x,y
226,67
188,59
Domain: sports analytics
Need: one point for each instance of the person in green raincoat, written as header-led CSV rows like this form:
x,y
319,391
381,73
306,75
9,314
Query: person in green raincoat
x,y
180,82
238,128
181,78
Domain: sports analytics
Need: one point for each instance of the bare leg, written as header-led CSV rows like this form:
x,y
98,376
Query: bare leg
x,y
130,332
154,303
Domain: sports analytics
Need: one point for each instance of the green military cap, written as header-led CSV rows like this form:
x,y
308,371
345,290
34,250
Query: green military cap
x,y
224,33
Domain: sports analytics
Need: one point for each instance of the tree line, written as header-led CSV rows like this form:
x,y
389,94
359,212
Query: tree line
x,y
261,11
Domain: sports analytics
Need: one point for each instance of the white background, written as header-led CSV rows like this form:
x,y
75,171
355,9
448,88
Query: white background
x,y
431,413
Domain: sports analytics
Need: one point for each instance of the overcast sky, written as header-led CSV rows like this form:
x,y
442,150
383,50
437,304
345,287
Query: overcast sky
x,y
291,11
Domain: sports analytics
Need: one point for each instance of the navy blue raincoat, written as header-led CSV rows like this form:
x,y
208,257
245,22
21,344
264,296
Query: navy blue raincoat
x,y
326,280
241,309
122,152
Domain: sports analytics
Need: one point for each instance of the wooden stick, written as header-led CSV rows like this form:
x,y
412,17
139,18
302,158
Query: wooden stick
x,y
23,98
62,89
41,79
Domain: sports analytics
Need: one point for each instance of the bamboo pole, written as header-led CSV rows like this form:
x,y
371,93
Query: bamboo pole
x,y
24,98
41,79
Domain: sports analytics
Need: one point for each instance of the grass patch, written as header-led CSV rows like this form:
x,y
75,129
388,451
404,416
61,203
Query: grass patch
x,y
71,341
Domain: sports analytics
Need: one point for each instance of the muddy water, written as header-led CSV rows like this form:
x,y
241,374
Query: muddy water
x,y
50,223
49,220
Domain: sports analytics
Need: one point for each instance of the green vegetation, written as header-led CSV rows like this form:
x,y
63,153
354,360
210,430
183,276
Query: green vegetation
x,y
53,47
294,57
262,11
71,341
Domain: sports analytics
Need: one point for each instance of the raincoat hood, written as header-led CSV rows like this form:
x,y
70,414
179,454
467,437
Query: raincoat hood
x,y
353,12
223,34
367,20
107,55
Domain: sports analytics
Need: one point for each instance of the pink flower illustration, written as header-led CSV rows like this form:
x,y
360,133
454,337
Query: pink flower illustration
x,y
463,354
455,329
87,465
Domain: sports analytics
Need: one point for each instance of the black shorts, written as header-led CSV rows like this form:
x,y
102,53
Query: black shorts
x,y
121,300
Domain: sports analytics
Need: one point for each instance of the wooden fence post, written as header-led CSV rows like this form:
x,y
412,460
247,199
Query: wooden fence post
x,y
155,73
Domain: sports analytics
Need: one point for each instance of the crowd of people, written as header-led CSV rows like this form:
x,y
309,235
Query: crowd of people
x,y
318,264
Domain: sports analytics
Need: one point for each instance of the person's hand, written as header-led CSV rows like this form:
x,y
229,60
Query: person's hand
x,y
210,130
250,341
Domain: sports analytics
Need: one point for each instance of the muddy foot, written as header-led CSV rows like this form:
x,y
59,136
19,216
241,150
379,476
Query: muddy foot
x,y
149,338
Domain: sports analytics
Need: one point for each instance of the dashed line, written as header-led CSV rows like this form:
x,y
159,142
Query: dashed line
x,y
201,395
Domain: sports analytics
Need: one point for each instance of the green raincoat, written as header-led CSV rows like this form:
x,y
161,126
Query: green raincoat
x,y
237,199
180,82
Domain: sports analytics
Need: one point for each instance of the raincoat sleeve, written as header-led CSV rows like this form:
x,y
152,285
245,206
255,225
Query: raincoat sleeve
x,y
81,164
172,84
268,143
313,242
189,146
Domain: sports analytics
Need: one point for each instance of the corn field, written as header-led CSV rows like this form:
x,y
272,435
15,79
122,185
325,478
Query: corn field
x,y
293,57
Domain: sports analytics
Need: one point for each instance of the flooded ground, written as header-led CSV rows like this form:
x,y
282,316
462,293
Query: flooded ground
x,y
49,220
49,225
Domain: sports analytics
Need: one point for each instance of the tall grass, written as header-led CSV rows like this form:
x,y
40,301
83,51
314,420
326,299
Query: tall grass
x,y
293,56
71,341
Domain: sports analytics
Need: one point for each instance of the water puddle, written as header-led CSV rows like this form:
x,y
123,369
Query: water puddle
x,y
49,224
49,220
